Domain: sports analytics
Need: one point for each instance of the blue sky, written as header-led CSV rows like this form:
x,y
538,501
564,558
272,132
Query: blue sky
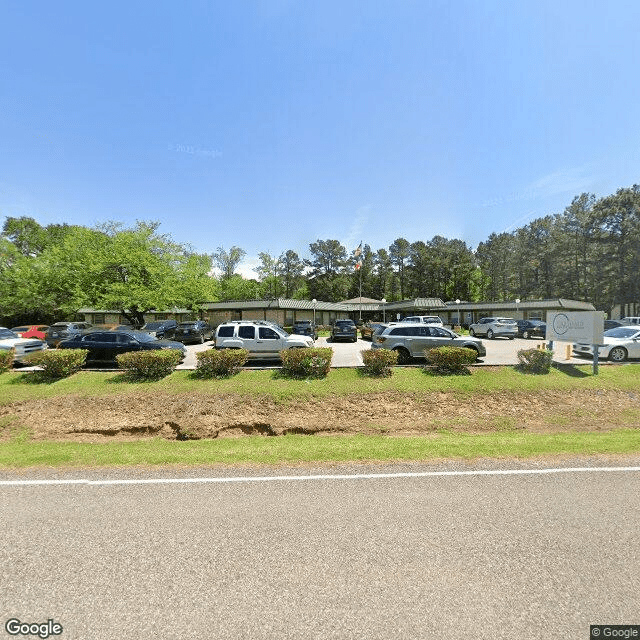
x,y
271,124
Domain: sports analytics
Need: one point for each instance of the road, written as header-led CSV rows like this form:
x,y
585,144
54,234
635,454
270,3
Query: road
x,y
533,555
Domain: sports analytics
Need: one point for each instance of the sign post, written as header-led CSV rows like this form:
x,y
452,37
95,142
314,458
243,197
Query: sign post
x,y
577,326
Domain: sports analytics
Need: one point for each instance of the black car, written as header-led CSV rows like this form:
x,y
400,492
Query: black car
x,y
104,346
160,328
64,330
305,328
531,329
193,331
344,330
612,324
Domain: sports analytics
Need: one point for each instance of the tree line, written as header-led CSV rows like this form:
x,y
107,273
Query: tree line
x,y
590,251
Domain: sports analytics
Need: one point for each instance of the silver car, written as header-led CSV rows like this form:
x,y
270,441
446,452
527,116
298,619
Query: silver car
x,y
22,346
412,339
619,344
494,328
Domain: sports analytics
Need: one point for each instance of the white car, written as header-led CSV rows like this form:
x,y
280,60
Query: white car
x,y
494,328
620,343
22,346
433,320
262,339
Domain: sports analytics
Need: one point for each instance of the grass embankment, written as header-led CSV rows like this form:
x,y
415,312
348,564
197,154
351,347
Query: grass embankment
x,y
20,451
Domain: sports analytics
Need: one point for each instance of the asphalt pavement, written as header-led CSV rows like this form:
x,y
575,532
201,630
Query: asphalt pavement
x,y
500,351
452,550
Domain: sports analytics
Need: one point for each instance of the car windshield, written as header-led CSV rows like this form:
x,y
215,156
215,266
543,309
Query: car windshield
x,y
187,324
344,323
622,332
506,320
153,325
141,336
6,333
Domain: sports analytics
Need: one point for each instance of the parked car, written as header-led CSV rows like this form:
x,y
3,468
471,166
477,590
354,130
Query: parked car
x,y
437,320
305,328
620,343
160,328
193,331
104,346
344,330
367,330
630,320
494,328
65,330
262,339
411,340
531,329
22,346
31,331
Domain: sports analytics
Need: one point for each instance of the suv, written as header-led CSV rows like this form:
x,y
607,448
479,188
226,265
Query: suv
x,y
344,330
193,331
494,328
262,339
412,339
305,328
436,320
160,329
63,331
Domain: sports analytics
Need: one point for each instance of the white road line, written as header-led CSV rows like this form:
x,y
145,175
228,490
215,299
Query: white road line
x,y
355,476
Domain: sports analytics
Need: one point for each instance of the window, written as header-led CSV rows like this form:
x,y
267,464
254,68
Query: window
x,y
226,331
98,318
407,331
265,333
247,332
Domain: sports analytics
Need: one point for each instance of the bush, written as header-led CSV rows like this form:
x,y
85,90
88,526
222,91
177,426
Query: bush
x,y
149,365
220,363
6,359
311,362
378,362
451,360
535,360
58,363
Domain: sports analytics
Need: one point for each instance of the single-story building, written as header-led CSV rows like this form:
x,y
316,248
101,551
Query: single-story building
x,y
286,311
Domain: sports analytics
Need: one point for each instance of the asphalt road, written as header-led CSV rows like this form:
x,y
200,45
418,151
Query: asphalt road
x,y
522,556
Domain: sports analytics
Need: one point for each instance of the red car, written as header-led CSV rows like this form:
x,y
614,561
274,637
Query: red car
x,y
31,331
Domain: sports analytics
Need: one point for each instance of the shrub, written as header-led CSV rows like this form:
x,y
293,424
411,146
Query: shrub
x,y
311,362
6,359
149,365
219,363
451,360
535,360
58,363
378,362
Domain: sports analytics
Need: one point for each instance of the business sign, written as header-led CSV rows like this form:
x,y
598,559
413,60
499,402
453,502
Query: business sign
x,y
575,326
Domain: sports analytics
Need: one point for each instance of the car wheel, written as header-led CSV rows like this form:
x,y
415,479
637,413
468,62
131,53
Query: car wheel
x,y
525,335
202,338
355,339
618,354
489,335
471,332
404,357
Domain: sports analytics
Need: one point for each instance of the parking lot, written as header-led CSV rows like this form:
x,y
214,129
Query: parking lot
x,y
347,354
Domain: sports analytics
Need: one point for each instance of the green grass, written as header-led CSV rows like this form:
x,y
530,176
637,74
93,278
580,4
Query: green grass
x,y
16,386
20,453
